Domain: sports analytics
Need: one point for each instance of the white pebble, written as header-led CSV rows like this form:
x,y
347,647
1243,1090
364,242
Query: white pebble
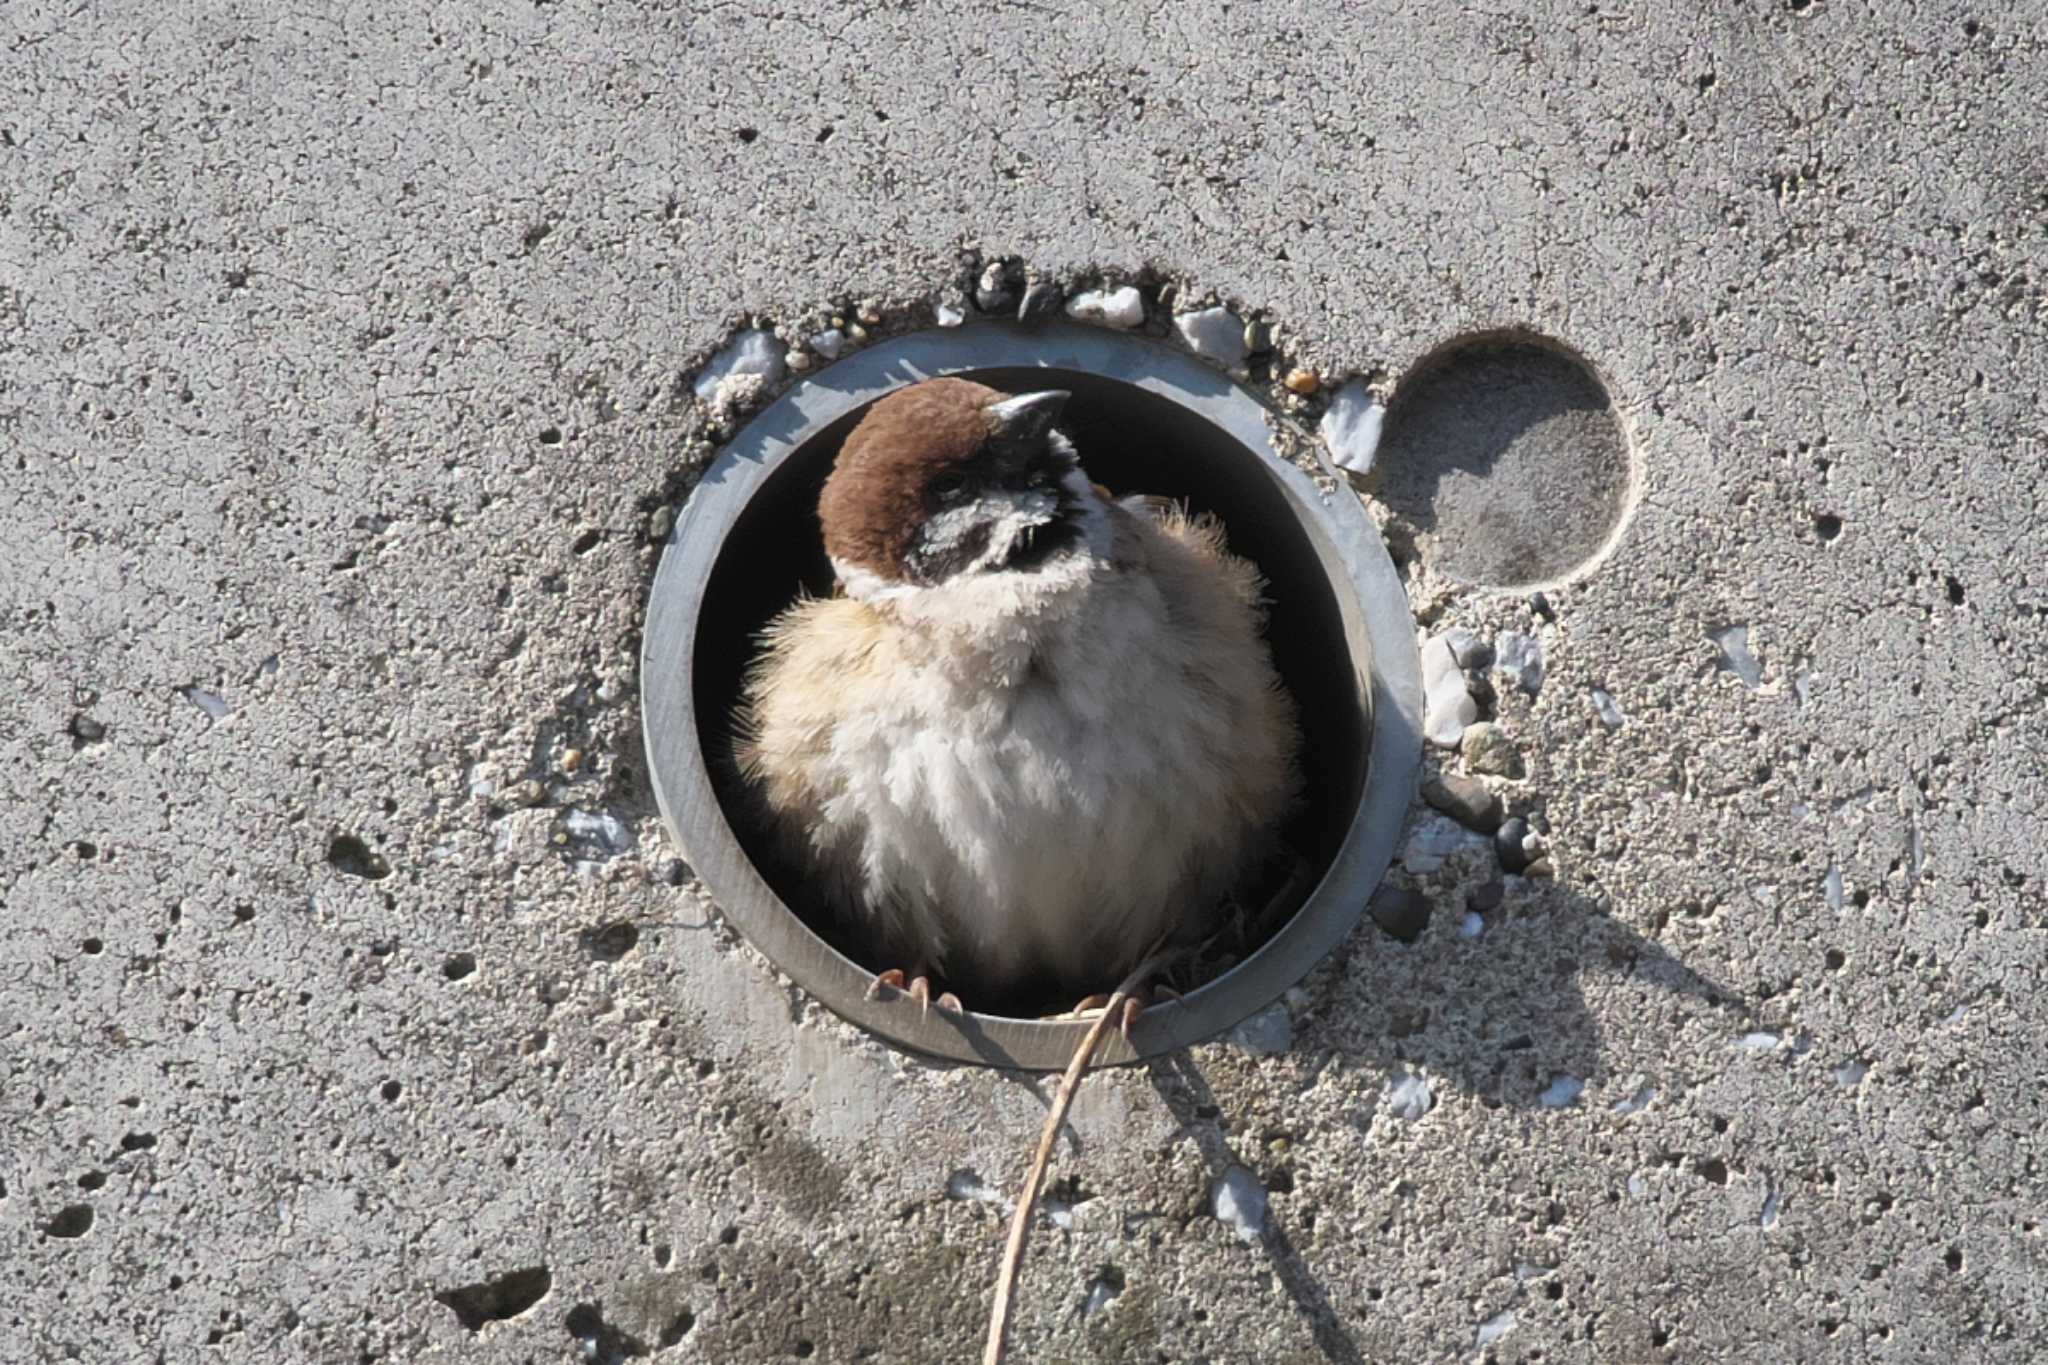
x,y
1637,1102
1496,1327
1733,642
1521,658
1123,307
1609,710
828,343
1435,841
1472,925
1101,1292
1439,663
479,779
1351,428
1267,1033
1409,1096
1831,887
215,707
1448,705
1561,1092
1768,1218
1214,334
1445,721
968,1185
754,354
1637,1186
605,830
1758,1042
1851,1073
1239,1202
949,316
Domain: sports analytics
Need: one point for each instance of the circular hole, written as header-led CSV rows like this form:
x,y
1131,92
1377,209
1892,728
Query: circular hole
x,y
1827,525
458,966
391,1090
1504,463
93,947
1144,419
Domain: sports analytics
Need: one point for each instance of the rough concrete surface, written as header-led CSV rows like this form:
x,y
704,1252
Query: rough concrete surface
x,y
344,360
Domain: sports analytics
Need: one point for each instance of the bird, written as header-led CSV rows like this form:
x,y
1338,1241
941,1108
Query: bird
x,y
1035,730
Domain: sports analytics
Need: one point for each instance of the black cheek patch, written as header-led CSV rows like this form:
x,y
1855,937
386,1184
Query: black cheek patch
x,y
927,564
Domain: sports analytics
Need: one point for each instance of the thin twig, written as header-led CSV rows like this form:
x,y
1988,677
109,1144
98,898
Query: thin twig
x,y
1027,1201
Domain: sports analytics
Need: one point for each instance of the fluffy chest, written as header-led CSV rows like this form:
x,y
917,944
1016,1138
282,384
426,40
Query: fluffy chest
x,y
1036,807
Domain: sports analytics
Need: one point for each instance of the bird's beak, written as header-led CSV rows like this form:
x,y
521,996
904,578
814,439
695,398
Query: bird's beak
x,y
1028,416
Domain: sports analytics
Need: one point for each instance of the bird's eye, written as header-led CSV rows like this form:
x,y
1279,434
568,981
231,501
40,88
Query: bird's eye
x,y
947,485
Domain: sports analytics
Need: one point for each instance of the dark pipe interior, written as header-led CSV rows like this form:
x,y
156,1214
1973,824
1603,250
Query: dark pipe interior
x,y
1132,441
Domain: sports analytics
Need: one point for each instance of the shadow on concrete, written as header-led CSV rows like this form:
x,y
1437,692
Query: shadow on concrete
x,y
1186,1093
1503,1015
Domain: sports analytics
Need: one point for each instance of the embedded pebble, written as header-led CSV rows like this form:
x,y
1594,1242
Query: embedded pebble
x,y
599,829
660,524
1831,887
1768,1216
1467,648
1487,749
1637,1186
1510,843
1472,925
1101,1291
1495,1327
1268,1033
1122,308
993,292
1465,799
1561,1092
1433,844
1401,913
1851,1073
1351,428
1487,895
86,730
1539,869
1041,297
215,707
1214,334
753,361
1733,642
1239,1202
1608,709
869,311
968,1185
1448,714
1636,1102
1302,381
1258,337
1521,658
1758,1042
949,316
1409,1096
828,343
1448,705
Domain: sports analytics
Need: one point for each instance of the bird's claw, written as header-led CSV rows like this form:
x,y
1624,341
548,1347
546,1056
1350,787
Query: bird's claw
x,y
917,986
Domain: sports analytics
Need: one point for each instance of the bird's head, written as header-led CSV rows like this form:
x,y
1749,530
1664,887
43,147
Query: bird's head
x,y
948,479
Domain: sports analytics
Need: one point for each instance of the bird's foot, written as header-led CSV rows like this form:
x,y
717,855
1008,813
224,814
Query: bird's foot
x,y
1134,1004
917,985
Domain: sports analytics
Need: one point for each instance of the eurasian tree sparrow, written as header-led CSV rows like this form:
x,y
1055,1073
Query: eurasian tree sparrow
x,y
1040,730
